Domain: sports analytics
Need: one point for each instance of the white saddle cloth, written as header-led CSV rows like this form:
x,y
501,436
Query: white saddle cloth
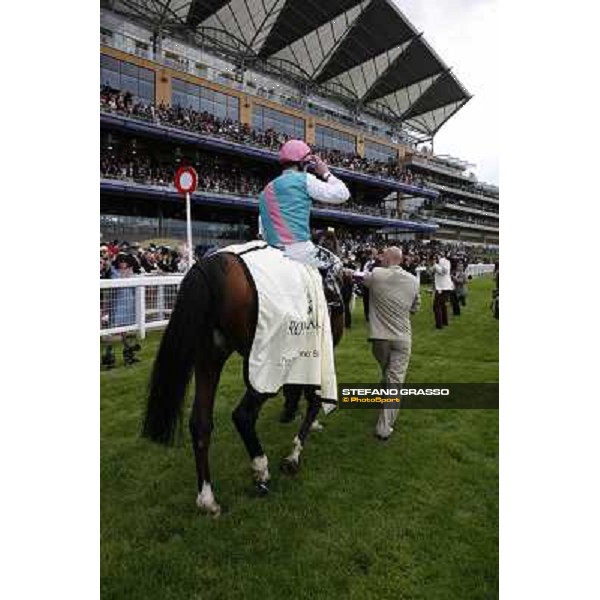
x,y
293,342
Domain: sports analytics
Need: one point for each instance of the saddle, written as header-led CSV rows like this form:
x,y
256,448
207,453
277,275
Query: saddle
x,y
330,268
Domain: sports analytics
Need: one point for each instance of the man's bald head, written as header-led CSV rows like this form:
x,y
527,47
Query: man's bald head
x,y
392,256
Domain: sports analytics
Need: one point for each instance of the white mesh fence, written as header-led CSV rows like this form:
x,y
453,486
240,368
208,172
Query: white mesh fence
x,y
137,303
142,303
477,270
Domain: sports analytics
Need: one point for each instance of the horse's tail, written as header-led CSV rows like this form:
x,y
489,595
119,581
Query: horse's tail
x,y
176,356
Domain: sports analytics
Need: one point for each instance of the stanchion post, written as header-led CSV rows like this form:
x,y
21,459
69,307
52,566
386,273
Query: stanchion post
x,y
140,301
186,180
188,207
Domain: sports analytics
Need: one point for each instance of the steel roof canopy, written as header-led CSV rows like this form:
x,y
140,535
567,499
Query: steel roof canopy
x,y
362,51
376,30
297,19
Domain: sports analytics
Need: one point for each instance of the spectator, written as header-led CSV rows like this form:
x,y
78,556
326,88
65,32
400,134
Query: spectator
x,y
459,279
442,287
122,313
394,297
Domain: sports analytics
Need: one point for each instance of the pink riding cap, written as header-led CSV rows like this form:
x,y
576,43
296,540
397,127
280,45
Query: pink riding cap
x,y
294,151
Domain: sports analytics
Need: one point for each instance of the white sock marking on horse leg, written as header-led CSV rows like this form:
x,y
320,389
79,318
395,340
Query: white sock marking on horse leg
x,y
296,449
206,500
260,468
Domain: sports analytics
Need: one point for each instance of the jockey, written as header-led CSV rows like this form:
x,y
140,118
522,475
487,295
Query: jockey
x,y
284,221
284,204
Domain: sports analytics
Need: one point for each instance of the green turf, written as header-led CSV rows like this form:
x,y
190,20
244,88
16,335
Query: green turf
x,y
415,517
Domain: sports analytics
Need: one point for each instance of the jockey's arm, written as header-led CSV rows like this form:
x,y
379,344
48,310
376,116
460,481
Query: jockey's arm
x,y
332,191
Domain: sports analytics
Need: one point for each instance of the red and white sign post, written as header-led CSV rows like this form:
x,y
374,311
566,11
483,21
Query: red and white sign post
x,y
186,180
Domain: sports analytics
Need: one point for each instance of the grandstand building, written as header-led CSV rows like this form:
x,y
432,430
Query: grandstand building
x,y
219,84
466,210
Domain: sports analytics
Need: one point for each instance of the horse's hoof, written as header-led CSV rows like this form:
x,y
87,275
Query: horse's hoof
x,y
289,466
262,489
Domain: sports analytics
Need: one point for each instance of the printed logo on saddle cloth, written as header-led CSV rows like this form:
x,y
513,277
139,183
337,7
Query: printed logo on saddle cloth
x,y
309,326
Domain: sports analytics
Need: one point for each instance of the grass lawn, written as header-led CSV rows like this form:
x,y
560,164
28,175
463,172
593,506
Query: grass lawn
x,y
413,518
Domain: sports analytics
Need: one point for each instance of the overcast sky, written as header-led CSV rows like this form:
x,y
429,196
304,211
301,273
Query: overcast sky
x,y
465,35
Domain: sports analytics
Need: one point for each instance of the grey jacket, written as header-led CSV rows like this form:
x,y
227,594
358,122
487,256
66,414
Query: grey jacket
x,y
394,296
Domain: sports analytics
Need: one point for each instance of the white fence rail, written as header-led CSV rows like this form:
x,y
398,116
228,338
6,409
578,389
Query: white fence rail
x,y
479,269
137,303
144,303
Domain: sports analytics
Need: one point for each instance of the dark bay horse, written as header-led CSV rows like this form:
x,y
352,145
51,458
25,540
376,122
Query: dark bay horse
x,y
215,315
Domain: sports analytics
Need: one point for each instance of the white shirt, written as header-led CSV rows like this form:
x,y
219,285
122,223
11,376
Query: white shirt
x,y
442,279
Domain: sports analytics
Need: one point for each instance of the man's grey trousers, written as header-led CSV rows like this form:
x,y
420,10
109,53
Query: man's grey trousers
x,y
393,358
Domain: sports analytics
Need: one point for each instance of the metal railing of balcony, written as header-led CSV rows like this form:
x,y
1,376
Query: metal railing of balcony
x,y
463,224
462,192
429,164
470,209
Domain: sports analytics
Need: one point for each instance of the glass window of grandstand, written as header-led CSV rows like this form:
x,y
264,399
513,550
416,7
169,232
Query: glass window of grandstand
x,y
264,118
201,99
375,151
127,77
332,139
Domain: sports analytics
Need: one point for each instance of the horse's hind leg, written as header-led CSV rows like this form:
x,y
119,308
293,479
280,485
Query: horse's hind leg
x,y
244,418
291,463
201,426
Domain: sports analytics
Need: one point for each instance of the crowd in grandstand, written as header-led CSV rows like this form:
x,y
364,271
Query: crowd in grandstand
x,y
214,175
209,124
354,249
354,162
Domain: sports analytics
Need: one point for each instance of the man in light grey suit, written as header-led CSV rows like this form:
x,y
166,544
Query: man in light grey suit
x,y
394,296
